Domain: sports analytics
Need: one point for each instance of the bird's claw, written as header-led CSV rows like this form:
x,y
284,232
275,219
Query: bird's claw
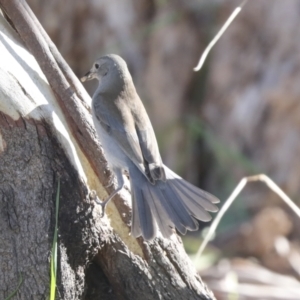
x,y
93,196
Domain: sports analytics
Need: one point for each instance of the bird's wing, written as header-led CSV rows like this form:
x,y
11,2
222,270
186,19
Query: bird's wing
x,y
117,121
147,141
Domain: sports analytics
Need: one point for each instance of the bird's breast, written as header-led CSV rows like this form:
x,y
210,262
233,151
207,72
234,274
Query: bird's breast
x,y
112,151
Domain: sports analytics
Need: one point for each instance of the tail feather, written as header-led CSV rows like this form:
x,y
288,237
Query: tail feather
x,y
163,221
205,199
135,219
173,200
145,223
172,215
163,202
193,206
169,204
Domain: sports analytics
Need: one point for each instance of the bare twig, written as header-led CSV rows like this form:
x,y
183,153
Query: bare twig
x,y
65,68
218,35
261,177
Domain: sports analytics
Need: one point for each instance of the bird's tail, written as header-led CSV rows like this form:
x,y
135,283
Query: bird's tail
x,y
174,203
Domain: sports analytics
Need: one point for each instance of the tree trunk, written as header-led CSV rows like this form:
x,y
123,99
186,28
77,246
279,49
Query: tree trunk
x,y
46,135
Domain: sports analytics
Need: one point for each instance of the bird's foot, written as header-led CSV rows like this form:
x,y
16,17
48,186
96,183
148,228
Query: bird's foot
x,y
93,196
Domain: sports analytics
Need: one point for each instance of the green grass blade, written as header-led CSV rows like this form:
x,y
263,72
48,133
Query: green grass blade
x,y
53,261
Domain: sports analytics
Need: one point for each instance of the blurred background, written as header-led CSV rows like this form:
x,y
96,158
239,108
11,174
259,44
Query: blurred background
x,y
238,116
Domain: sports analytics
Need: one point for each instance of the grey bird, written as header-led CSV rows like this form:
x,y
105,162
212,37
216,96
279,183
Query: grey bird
x,y
159,196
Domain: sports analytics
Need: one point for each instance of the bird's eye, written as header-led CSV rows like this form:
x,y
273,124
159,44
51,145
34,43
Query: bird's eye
x,y
96,66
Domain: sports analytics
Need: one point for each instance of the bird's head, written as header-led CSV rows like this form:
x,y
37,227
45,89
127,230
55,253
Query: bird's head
x,y
111,71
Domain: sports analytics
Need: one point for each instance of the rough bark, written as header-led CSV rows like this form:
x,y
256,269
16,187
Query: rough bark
x,y
42,140
31,163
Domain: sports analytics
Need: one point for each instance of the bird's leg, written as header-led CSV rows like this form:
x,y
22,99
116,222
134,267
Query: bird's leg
x,y
121,184
105,202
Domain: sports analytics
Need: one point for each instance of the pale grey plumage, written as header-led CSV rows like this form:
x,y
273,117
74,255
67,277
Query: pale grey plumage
x,y
158,195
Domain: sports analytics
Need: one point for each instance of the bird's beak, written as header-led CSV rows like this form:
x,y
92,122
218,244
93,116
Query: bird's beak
x,y
88,76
